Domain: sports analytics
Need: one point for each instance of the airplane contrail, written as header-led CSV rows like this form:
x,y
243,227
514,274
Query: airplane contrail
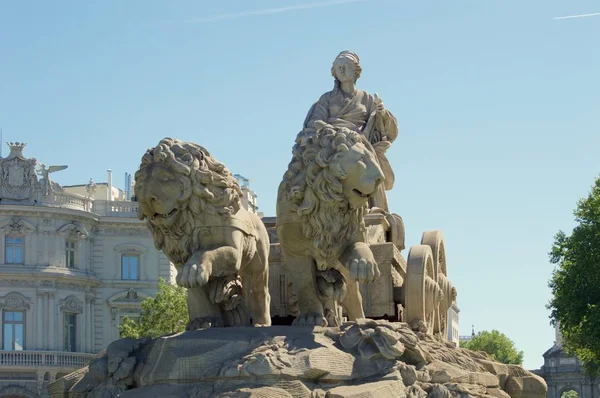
x,y
267,11
579,16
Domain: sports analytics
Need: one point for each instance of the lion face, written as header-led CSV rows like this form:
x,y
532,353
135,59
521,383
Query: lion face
x,y
363,174
160,195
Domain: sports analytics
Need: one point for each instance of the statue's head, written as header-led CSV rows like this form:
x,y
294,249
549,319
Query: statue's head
x,y
177,178
346,67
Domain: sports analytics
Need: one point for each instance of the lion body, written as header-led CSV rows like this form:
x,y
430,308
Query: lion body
x,y
192,206
317,227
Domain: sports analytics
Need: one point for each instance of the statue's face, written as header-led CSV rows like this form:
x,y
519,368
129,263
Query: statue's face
x,y
159,194
344,71
363,174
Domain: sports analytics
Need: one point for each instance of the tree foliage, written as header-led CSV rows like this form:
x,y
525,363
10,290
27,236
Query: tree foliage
x,y
165,313
575,283
569,394
497,345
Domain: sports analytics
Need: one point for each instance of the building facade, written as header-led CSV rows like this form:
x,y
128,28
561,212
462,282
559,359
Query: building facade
x,y
453,325
73,262
249,197
563,372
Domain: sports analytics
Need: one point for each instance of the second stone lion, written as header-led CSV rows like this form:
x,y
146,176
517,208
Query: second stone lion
x,y
321,205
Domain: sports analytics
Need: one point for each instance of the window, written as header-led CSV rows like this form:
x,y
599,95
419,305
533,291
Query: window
x,y
70,252
130,266
13,251
70,332
13,330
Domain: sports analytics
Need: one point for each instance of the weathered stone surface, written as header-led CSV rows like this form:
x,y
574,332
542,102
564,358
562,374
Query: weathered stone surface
x,y
497,393
359,359
531,386
380,389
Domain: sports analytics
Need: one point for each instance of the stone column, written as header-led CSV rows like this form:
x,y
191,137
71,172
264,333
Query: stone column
x,y
89,324
41,326
52,321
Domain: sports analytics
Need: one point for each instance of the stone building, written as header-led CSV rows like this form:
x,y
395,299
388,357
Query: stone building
x,y
248,195
564,372
453,324
73,262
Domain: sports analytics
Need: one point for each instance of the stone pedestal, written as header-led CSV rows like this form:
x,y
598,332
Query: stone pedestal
x,y
364,359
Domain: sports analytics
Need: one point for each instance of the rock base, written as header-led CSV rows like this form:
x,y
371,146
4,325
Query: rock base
x,y
367,358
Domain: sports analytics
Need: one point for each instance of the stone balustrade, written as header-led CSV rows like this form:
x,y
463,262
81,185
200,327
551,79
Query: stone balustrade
x,y
72,201
37,359
115,208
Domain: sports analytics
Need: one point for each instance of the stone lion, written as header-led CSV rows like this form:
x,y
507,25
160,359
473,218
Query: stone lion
x,y
191,204
321,205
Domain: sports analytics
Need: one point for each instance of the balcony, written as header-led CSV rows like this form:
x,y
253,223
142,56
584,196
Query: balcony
x,y
72,201
36,360
114,208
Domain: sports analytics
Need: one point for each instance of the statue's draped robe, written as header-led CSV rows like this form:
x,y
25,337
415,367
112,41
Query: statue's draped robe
x,y
357,113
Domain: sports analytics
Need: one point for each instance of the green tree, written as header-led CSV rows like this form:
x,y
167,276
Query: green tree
x,y
500,347
569,394
163,314
575,283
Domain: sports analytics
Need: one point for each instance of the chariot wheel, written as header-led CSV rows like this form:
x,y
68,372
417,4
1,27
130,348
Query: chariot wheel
x,y
435,240
419,265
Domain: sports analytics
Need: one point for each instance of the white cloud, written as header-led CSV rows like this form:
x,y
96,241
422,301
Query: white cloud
x,y
579,16
268,11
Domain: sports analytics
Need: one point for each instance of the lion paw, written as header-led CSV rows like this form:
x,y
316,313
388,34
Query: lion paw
x,y
310,319
192,275
362,265
204,323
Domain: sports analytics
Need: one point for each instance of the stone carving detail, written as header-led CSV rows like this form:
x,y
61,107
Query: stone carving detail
x,y
17,226
90,189
73,230
116,231
15,301
17,283
71,304
18,179
191,201
47,183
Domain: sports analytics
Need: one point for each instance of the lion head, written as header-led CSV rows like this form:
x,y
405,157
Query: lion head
x,y
329,181
177,186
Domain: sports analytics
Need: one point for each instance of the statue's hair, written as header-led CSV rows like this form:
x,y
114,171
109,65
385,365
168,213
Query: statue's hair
x,y
313,183
207,187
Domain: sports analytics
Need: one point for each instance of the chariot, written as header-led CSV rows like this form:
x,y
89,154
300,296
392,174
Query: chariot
x,y
415,289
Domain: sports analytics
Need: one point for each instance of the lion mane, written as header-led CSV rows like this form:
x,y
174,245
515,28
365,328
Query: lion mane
x,y
313,184
208,187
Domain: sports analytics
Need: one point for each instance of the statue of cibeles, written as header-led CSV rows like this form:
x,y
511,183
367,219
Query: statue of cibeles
x,y
357,110
192,205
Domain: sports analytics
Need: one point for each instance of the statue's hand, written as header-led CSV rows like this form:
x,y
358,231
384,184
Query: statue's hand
x,y
361,263
194,273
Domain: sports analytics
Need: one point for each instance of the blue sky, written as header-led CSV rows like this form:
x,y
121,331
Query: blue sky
x,y
498,105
